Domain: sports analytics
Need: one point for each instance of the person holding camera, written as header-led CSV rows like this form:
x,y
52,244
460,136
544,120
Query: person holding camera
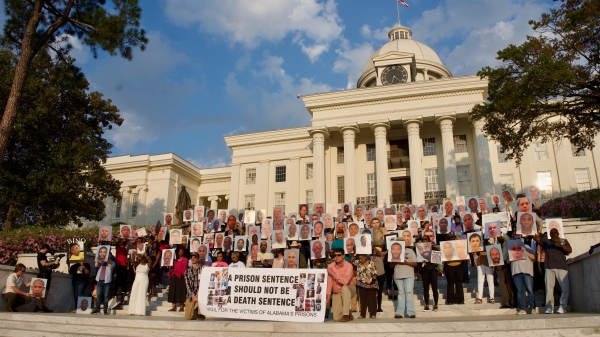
x,y
45,271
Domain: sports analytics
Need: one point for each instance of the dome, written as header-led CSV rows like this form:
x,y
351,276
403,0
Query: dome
x,y
401,41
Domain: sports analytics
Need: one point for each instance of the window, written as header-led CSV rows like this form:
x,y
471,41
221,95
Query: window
x,y
134,205
501,156
428,146
431,180
460,144
539,151
507,181
371,184
280,199
577,153
280,174
309,171
340,189
370,152
582,176
340,154
309,199
250,176
545,184
464,180
249,202
117,212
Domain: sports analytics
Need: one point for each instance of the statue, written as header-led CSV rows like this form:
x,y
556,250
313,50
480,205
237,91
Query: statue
x,y
184,202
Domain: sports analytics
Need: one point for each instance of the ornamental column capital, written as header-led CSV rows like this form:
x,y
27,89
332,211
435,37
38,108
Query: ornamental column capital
x,y
349,131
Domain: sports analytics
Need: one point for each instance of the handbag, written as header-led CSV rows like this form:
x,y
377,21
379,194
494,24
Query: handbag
x,y
191,309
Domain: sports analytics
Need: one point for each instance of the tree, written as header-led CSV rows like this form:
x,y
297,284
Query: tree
x,y
53,173
35,24
548,88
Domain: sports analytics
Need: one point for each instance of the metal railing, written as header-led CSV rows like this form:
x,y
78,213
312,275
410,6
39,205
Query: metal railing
x,y
400,198
397,153
370,200
435,195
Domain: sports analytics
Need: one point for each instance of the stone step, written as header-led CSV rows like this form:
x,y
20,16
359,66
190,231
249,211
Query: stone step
x,y
29,324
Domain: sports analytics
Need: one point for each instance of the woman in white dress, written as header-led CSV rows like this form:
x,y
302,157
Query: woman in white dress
x,y
137,298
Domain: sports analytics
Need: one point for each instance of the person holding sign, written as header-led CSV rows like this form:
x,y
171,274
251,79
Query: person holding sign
x,y
366,281
454,271
557,250
341,286
404,278
429,273
522,257
192,285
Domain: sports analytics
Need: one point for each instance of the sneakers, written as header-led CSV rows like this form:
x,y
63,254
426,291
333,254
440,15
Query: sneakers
x,y
435,308
413,316
560,310
38,309
521,312
426,308
548,310
478,301
46,310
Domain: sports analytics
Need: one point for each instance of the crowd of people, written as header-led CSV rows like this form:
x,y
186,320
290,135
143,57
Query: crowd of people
x,y
424,242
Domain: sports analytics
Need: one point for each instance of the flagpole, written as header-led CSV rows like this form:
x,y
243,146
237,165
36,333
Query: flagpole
x,y
398,10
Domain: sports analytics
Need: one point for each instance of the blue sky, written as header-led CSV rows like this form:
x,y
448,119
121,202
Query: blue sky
x,y
214,68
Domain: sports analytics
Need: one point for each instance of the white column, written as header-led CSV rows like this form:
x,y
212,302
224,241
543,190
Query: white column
x,y
381,158
125,206
319,136
235,188
214,202
484,164
263,180
349,133
415,154
425,76
141,210
451,176
294,188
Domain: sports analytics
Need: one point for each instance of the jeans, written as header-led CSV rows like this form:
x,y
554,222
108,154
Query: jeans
x,y
78,289
405,296
551,276
103,294
524,283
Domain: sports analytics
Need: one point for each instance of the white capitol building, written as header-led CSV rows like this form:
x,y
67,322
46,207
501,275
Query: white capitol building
x,y
403,135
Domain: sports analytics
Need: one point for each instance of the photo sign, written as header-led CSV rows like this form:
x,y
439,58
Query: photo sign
x,y
294,295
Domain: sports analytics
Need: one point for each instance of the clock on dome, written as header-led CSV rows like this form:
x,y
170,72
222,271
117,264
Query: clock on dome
x,y
394,75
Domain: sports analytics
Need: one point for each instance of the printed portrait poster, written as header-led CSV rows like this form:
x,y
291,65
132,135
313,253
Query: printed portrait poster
x,y
197,229
526,223
125,231
317,249
507,196
364,244
460,201
424,250
198,213
209,238
496,199
84,305
168,255
253,230
269,294
395,251
318,208
175,237
222,215
188,215
475,242
473,204
516,250
503,217
533,193
555,223
141,232
291,258
140,248
240,243
195,243
105,233
350,245
494,255
168,219
102,253
378,237
249,216
448,249
38,287
390,222
436,257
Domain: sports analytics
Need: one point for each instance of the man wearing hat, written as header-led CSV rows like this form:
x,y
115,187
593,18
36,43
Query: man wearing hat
x,y
192,283
296,244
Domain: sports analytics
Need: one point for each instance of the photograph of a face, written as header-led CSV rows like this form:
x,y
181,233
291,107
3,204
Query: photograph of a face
x,y
319,208
305,232
460,201
198,213
444,225
492,230
249,216
209,238
317,249
395,251
168,255
278,213
84,305
473,204
125,231
278,238
188,215
140,248
496,199
507,196
364,244
350,245
516,250
195,243
291,258
102,253
222,215
175,236
494,255
168,219
448,249
475,242
526,223
533,192
38,287
105,233
555,223
240,243
197,229
424,250
390,222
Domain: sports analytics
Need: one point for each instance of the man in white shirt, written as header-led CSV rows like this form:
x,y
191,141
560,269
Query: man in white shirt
x,y
15,294
235,261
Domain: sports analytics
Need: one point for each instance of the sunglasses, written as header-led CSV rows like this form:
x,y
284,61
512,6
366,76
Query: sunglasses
x,y
338,255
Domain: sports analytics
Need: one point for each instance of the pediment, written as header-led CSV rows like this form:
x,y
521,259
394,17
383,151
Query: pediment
x,y
394,57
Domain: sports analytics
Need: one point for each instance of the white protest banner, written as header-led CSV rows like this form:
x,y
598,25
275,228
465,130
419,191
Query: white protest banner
x,y
294,295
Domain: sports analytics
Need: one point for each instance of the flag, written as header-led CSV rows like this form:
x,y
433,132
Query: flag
x,y
403,2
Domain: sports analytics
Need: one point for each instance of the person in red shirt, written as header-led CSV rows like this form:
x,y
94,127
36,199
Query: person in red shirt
x,y
341,286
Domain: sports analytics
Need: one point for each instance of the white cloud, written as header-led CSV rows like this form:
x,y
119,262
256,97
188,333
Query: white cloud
x,y
313,52
352,60
261,109
250,22
379,34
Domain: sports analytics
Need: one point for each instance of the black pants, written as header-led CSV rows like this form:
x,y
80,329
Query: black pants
x,y
454,276
367,300
380,281
507,286
389,273
430,276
